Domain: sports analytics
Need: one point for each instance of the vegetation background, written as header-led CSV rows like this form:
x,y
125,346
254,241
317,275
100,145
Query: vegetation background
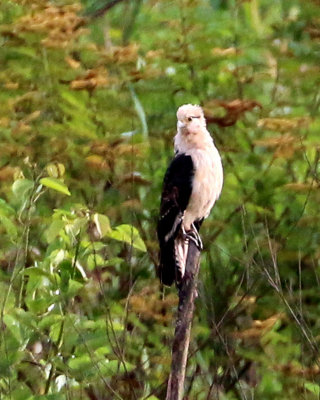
x,y
88,98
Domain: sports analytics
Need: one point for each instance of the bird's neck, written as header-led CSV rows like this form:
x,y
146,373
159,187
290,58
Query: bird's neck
x,y
184,141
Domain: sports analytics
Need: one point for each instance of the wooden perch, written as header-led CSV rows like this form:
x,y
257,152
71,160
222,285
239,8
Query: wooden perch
x,y
187,295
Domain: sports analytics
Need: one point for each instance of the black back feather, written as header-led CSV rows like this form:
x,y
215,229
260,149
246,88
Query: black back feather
x,y
177,188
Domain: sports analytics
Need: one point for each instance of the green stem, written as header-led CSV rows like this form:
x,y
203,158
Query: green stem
x,y
52,369
130,21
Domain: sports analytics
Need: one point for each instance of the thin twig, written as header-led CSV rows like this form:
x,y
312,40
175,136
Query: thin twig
x,y
94,362
118,351
105,8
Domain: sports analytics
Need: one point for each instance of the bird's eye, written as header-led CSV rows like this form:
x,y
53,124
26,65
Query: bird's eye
x,y
189,119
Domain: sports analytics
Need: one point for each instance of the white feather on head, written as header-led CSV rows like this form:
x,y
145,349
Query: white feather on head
x,y
189,110
191,128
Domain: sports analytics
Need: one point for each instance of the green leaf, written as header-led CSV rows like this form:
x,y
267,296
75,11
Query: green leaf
x,y
55,184
5,209
102,223
80,364
313,388
128,234
95,260
17,329
49,320
36,271
21,187
7,297
55,330
95,340
76,226
54,229
102,351
9,226
74,287
85,365
27,319
54,396
22,393
11,357
110,368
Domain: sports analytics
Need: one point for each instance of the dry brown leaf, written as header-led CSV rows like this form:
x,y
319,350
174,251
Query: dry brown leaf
x,y
313,28
150,306
31,117
301,187
309,220
32,96
92,79
4,122
128,149
103,149
32,3
133,204
149,73
266,323
284,124
284,146
7,173
74,64
21,128
136,178
291,369
247,301
122,55
60,24
16,150
11,85
233,110
282,140
220,52
258,329
151,54
95,161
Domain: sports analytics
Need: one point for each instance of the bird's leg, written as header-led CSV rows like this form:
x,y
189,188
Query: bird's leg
x,y
193,235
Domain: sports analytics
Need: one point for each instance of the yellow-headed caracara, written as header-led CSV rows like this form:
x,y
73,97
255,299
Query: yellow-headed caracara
x,y
192,184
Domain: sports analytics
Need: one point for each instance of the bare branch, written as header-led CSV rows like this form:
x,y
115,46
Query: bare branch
x,y
187,295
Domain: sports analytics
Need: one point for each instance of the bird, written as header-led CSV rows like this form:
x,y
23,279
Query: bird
x,y
192,184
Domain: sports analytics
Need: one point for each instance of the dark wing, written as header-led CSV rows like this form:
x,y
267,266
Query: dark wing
x,y
177,188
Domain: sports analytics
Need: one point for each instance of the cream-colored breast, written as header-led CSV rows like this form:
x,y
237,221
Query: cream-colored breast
x,y
207,183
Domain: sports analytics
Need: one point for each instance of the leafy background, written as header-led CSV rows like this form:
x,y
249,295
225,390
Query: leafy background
x,y
88,98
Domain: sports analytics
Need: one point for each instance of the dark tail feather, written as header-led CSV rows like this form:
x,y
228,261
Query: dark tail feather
x,y
167,267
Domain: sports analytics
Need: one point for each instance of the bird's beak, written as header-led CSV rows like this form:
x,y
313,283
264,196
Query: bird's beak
x,y
181,124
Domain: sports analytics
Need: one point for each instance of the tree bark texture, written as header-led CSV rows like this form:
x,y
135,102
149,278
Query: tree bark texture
x,y
187,294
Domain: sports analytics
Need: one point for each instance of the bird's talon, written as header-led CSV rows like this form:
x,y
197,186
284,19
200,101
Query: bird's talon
x,y
195,237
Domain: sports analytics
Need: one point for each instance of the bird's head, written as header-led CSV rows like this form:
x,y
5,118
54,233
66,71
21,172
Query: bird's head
x,y
190,119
